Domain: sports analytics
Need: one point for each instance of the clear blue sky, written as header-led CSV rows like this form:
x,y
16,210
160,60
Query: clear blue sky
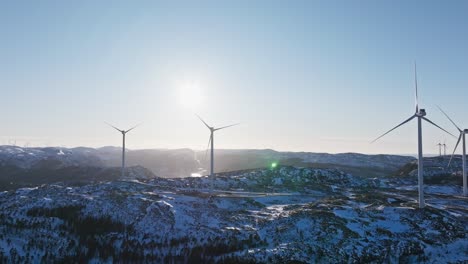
x,y
321,76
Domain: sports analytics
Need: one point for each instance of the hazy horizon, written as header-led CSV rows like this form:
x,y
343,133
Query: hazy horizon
x,y
228,149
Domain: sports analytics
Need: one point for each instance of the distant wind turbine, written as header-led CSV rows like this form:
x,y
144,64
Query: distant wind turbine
x,y
211,141
124,132
462,136
445,148
420,115
440,148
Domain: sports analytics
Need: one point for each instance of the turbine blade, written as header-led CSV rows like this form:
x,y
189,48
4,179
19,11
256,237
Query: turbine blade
x,y
226,126
449,118
404,122
203,121
416,86
133,128
434,124
113,127
455,149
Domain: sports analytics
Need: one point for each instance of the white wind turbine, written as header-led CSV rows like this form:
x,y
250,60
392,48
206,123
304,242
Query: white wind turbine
x,y
420,115
211,141
124,132
445,148
461,137
440,148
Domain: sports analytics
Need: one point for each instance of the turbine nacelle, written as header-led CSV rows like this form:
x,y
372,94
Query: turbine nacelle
x,y
122,131
421,112
465,131
213,129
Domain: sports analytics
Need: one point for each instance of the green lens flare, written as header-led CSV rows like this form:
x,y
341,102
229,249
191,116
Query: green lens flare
x,y
274,165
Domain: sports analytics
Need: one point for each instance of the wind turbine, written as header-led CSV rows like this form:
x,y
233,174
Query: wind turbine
x,y
124,132
420,115
445,148
211,140
462,136
440,149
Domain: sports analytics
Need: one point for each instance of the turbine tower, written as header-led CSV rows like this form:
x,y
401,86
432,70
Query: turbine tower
x,y
420,115
440,149
462,138
445,148
124,132
211,141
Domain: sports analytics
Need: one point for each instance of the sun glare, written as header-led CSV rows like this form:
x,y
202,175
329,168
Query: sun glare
x,y
190,95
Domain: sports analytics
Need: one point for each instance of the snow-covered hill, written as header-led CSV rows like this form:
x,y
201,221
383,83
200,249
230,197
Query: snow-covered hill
x,y
436,170
271,216
362,164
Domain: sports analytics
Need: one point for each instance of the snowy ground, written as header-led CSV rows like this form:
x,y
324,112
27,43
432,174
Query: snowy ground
x,y
278,216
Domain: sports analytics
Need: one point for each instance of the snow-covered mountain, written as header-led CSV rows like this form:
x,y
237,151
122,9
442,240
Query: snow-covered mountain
x,y
180,162
283,215
29,158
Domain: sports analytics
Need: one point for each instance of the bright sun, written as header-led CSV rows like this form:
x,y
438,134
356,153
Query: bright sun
x,y
190,95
